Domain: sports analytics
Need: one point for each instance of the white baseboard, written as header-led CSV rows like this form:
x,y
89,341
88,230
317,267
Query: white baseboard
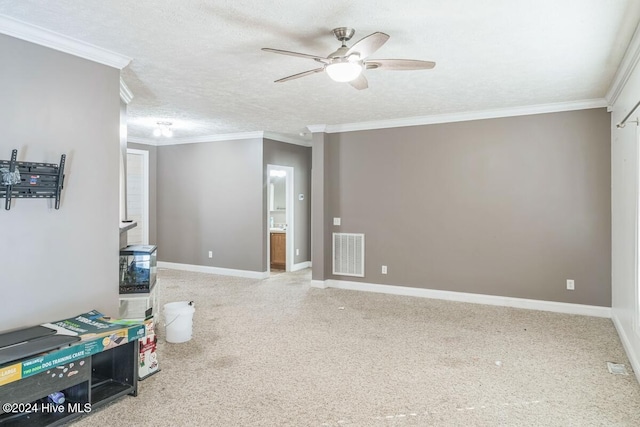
x,y
558,307
634,358
320,284
215,270
301,266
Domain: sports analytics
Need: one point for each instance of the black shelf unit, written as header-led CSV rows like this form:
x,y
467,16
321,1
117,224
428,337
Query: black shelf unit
x,y
110,377
101,378
37,180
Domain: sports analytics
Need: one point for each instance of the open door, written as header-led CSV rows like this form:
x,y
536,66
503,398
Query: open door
x,y
280,218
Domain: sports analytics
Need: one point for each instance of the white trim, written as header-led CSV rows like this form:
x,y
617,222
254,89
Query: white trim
x,y
301,266
628,63
287,139
634,358
228,137
530,304
125,93
44,37
462,117
210,138
317,128
320,284
144,141
214,270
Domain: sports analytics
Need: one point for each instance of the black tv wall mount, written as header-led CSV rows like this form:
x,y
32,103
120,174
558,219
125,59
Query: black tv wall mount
x,y
30,180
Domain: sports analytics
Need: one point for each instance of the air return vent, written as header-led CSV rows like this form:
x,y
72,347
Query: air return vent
x,y
348,254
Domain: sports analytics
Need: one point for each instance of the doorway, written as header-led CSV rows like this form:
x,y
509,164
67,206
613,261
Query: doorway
x,y
280,218
138,195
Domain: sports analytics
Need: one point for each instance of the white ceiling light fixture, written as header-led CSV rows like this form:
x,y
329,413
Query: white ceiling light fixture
x,y
344,71
163,129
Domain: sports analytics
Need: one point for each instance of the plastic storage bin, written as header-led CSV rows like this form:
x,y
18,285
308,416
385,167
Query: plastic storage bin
x,y
138,265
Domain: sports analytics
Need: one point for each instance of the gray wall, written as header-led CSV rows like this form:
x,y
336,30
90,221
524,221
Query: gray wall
x,y
57,263
298,157
211,198
153,187
510,207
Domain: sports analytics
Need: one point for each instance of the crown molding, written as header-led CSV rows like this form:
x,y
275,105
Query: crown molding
x,y
125,93
462,117
143,141
43,37
287,139
210,138
317,128
221,137
626,67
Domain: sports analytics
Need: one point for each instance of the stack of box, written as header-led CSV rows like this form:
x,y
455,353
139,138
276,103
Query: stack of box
x,y
138,297
139,301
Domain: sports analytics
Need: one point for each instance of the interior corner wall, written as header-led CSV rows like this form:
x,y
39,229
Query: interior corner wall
x,y
624,206
58,263
210,198
511,206
298,157
153,187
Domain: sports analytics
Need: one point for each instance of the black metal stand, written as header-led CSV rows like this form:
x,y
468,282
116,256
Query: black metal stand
x,y
37,180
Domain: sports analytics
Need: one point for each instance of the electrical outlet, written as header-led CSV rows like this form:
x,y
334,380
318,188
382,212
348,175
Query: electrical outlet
x,y
210,254
571,284
297,252
384,269
336,221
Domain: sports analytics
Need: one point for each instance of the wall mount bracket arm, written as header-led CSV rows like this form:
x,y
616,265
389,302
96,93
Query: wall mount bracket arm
x,y
31,180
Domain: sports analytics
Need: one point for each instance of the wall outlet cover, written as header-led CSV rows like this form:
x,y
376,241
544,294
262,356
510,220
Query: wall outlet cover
x,y
336,221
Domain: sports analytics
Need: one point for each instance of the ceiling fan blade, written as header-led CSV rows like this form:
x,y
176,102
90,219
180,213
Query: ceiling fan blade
x,y
301,55
368,45
297,76
399,64
360,82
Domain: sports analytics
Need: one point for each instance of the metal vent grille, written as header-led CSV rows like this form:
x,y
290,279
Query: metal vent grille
x,y
348,254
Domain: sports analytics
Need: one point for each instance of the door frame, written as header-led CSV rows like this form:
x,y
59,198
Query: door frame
x,y
290,217
145,191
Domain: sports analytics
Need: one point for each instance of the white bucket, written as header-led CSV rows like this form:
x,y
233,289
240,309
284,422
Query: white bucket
x,y
178,320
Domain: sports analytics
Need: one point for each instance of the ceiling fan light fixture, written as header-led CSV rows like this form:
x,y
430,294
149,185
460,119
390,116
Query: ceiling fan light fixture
x,y
163,129
344,71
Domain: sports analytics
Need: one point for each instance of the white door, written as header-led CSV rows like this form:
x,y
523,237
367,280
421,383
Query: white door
x,y
138,196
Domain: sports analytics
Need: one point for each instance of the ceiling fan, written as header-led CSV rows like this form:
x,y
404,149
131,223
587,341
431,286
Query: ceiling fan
x,y
347,63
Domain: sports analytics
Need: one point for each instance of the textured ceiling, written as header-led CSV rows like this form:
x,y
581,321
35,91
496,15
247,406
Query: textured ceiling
x,y
199,65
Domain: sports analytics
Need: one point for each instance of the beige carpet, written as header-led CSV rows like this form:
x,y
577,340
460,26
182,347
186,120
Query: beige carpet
x,y
276,352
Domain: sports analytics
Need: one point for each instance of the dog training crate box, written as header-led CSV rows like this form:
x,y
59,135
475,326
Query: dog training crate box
x,y
91,372
138,265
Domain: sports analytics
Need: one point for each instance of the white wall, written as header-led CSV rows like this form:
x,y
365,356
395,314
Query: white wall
x,y
624,202
58,263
